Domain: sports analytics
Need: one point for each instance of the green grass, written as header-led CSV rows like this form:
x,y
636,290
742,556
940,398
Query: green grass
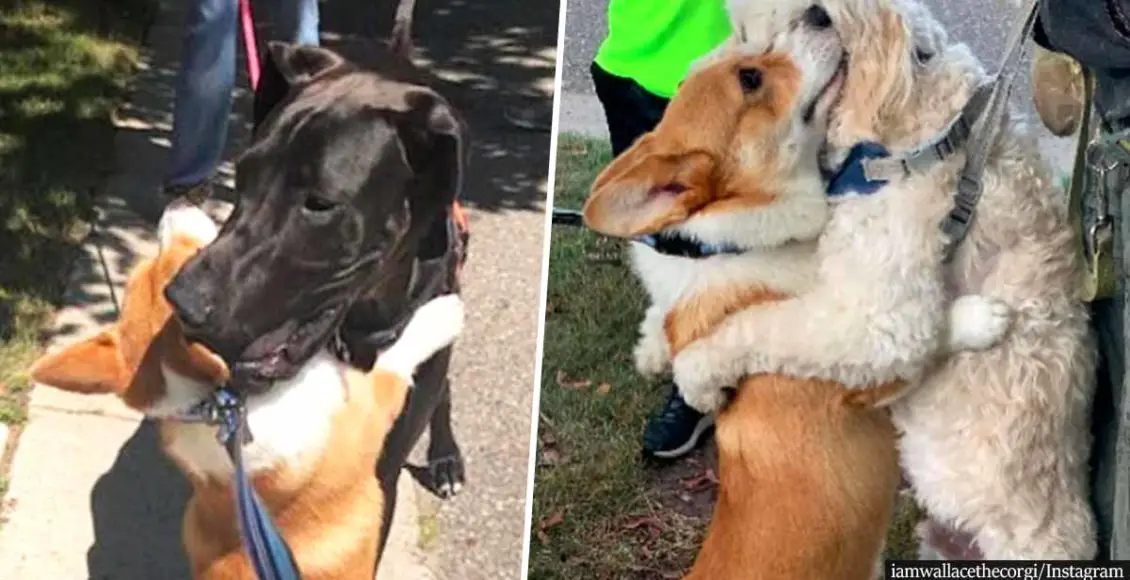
x,y
64,66
599,513
590,478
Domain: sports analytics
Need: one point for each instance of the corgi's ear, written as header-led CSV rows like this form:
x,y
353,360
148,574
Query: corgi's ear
x,y
90,366
644,190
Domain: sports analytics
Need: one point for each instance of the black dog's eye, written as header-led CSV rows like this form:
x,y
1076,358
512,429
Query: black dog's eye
x,y
318,204
922,55
750,78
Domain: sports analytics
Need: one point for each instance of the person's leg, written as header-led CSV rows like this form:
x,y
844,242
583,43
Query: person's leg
x,y
297,21
631,111
203,96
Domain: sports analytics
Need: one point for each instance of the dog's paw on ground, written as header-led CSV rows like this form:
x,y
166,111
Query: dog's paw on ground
x,y
443,476
447,476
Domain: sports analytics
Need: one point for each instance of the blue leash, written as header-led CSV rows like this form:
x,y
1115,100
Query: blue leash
x,y
269,554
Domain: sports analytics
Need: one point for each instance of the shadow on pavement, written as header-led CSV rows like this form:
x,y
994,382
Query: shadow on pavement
x,y
137,507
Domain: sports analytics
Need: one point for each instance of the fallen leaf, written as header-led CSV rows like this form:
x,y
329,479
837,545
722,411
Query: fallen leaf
x,y
647,522
564,382
550,308
556,519
603,388
706,479
550,457
543,537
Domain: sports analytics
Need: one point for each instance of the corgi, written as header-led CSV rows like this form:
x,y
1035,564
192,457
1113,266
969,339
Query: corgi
x,y
316,437
808,468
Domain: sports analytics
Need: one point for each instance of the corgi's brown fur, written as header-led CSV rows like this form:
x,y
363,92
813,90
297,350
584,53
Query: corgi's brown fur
x,y
323,495
807,469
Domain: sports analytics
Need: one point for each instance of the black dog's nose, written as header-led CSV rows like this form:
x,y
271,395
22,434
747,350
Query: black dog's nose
x,y
817,17
191,307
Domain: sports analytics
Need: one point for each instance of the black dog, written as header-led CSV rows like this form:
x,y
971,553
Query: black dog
x,y
344,225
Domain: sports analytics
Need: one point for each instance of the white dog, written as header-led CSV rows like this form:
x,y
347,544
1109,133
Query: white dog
x,y
995,443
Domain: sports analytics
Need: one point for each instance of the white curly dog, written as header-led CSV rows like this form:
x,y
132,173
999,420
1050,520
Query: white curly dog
x,y
995,443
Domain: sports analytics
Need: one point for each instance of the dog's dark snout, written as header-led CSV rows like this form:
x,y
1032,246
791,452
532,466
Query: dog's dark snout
x,y
192,308
817,17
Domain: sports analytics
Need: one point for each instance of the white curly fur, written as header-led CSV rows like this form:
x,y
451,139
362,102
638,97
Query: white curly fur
x,y
993,442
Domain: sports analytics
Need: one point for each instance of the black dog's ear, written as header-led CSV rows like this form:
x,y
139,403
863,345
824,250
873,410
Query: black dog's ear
x,y
434,138
298,63
286,65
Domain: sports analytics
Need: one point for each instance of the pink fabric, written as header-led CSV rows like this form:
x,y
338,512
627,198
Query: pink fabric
x,y
251,47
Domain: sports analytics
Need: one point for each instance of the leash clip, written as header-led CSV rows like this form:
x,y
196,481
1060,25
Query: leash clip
x,y
1099,234
228,412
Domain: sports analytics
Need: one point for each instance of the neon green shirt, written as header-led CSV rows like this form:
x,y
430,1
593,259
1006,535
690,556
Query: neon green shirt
x,y
653,42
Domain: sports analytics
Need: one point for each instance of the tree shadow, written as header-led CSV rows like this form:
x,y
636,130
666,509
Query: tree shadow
x,y
54,101
484,57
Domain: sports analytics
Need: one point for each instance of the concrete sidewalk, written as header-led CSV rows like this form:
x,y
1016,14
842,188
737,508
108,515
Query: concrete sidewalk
x,y
90,494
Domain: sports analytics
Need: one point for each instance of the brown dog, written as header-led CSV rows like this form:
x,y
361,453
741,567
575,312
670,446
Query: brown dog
x,y
316,436
807,469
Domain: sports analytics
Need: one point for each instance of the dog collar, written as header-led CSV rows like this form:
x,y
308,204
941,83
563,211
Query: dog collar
x,y
870,166
676,244
853,177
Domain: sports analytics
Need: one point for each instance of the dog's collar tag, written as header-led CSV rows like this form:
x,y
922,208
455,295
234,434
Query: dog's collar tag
x,y
675,244
854,176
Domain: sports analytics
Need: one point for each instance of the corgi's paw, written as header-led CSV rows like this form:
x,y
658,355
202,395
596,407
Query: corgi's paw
x,y
704,401
652,357
433,327
977,322
697,369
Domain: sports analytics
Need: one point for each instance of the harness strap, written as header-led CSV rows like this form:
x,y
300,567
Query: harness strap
x,y
970,185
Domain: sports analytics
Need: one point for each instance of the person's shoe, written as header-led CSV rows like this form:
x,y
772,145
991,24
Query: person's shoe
x,y
675,431
1057,91
535,117
197,193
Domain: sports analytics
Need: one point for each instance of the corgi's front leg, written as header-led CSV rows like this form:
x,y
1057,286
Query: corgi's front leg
x,y
652,353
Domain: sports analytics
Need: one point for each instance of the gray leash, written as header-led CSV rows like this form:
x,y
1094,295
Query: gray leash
x,y
970,185
97,232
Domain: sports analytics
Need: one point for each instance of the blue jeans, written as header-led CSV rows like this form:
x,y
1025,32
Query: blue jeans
x,y
207,77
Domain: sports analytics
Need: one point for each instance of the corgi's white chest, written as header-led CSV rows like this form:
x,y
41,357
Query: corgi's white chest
x,y
290,422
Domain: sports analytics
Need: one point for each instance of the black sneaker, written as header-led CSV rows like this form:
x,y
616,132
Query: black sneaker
x,y
676,430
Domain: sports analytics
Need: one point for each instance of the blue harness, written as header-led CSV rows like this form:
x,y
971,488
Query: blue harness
x,y
269,554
